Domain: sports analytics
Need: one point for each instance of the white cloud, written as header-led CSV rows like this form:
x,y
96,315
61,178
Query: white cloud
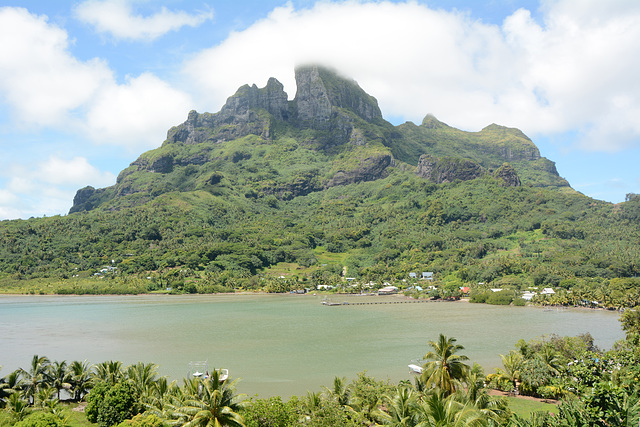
x,y
575,70
47,187
138,113
7,198
75,172
46,86
41,81
117,18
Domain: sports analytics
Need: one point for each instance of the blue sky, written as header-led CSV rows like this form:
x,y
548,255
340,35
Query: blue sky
x,y
86,86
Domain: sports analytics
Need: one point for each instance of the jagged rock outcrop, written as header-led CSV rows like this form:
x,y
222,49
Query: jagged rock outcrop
x,y
320,92
271,98
327,102
448,169
324,101
301,184
81,198
86,198
507,176
237,118
368,169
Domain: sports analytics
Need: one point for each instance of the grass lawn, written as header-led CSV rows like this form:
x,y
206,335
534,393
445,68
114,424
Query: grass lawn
x,y
525,407
77,419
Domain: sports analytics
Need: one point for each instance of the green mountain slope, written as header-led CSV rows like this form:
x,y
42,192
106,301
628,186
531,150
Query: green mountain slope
x,y
331,134
318,185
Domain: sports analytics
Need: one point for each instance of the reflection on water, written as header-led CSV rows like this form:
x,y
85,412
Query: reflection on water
x,y
276,344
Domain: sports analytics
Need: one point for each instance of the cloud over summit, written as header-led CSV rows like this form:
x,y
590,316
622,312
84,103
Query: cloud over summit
x,y
574,70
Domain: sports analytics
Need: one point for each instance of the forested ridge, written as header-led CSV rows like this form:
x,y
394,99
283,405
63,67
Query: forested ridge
x,y
320,188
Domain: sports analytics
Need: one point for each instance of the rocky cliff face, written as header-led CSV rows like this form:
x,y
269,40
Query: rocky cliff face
x,y
321,92
237,118
368,169
507,176
271,98
323,101
448,169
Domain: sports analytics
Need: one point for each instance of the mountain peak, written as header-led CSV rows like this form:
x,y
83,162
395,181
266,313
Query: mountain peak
x,y
319,89
431,122
271,98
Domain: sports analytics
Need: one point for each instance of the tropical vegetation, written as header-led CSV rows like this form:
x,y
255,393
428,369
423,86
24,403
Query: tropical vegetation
x,y
589,387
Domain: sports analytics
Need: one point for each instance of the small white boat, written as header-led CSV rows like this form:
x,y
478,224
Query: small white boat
x,y
415,368
194,370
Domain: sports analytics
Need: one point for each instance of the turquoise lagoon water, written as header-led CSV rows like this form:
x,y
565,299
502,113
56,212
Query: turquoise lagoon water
x,y
276,344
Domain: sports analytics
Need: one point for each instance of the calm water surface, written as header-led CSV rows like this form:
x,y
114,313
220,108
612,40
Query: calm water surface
x,y
276,344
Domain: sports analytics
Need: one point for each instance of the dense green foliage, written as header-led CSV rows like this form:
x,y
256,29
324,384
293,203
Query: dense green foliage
x,y
478,231
109,404
595,388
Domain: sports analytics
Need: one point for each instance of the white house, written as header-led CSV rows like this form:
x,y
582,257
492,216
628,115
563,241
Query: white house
x,y
387,290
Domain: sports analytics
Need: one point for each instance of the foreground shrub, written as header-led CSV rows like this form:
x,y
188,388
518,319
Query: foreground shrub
x,y
109,405
142,421
271,412
41,419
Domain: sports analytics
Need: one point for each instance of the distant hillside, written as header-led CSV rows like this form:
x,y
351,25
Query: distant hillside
x,y
319,186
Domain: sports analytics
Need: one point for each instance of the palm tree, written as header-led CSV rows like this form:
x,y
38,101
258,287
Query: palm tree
x,y
444,369
475,395
439,410
216,404
192,387
164,400
80,379
43,396
549,359
110,372
402,409
5,390
513,364
18,407
341,392
35,377
9,385
143,377
312,403
60,376
475,383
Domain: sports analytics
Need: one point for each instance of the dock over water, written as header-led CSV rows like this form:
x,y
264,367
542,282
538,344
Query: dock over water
x,y
415,301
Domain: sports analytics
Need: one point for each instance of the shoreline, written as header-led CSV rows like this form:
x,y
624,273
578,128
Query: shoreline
x,y
317,293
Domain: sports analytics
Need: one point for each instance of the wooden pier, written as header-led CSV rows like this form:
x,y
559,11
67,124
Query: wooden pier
x,y
415,301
